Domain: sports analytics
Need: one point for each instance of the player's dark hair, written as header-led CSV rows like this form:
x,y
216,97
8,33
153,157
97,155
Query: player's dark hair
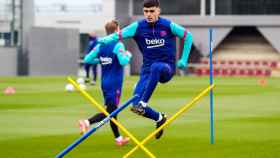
x,y
111,26
151,3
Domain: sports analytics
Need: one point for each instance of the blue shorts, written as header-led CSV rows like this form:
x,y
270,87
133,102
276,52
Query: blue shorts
x,y
112,97
166,73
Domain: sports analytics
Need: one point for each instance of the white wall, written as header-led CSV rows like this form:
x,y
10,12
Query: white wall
x,y
86,15
8,61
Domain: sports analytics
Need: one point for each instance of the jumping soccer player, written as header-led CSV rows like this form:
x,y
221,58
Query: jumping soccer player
x,y
156,39
112,57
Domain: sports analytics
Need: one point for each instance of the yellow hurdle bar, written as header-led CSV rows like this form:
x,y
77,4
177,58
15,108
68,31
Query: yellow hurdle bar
x,y
95,103
171,119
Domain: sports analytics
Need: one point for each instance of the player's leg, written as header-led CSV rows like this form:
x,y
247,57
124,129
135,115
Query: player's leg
x,y
112,103
110,108
160,72
140,86
100,116
94,74
138,107
87,69
85,124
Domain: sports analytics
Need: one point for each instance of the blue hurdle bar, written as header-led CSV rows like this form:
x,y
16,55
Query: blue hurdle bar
x,y
100,124
212,138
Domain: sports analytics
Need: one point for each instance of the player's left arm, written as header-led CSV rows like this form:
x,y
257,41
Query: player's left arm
x,y
182,33
127,32
123,55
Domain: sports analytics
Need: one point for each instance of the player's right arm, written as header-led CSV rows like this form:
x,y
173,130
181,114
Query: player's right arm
x,y
127,32
181,32
123,55
91,57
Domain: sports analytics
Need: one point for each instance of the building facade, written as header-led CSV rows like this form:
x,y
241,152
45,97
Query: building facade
x,y
243,29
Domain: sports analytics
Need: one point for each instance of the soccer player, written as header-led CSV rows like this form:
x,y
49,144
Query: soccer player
x,y
112,57
156,39
91,44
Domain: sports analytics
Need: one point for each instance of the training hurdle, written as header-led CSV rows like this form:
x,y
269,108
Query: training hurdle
x,y
171,119
100,108
92,130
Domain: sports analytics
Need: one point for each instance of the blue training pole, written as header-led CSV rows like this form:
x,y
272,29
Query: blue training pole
x,y
211,83
100,124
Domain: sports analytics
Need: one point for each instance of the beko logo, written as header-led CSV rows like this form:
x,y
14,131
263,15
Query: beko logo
x,y
105,60
153,43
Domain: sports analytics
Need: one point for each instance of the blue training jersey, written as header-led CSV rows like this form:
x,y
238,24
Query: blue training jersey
x,y
156,42
112,70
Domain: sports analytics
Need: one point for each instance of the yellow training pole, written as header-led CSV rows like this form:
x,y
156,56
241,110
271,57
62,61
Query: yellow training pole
x,y
95,103
183,109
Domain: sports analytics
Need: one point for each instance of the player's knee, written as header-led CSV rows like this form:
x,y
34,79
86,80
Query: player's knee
x,y
156,67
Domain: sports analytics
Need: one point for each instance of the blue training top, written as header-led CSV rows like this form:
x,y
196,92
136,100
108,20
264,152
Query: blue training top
x,y
156,41
112,57
112,70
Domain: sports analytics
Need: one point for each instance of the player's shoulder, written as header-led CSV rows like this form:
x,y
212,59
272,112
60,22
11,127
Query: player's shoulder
x,y
164,24
142,22
164,21
117,45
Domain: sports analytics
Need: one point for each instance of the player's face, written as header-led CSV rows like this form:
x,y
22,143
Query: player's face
x,y
151,14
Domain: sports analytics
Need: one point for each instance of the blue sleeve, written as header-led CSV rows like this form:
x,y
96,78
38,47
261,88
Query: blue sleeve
x,y
91,57
123,55
179,31
126,32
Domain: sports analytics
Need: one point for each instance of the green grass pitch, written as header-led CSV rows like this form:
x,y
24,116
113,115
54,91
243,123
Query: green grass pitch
x,y
40,120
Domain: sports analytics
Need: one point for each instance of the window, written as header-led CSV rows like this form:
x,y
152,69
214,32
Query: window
x,y
171,7
248,7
